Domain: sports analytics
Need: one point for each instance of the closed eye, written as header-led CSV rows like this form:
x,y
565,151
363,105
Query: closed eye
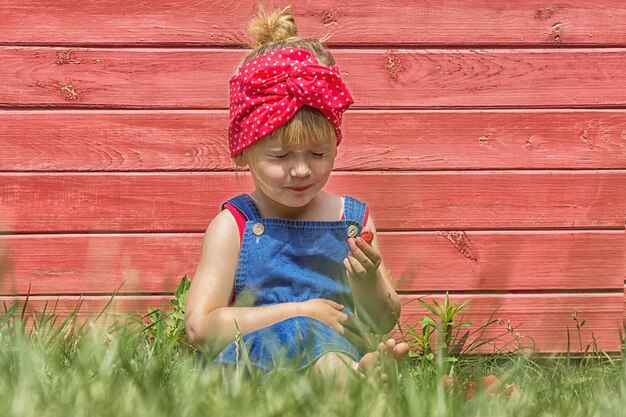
x,y
319,155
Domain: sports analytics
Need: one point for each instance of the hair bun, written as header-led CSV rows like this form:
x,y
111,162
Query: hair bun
x,y
277,26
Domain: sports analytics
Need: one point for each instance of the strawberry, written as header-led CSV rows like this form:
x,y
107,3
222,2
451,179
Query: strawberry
x,y
367,235
491,383
471,390
449,383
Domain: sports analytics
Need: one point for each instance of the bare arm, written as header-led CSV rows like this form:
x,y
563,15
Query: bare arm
x,y
377,303
209,322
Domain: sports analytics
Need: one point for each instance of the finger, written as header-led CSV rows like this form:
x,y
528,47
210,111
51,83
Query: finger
x,y
334,304
349,269
360,255
342,317
368,250
352,275
358,269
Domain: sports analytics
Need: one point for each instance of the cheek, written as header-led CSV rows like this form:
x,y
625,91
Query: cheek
x,y
273,171
327,170
327,166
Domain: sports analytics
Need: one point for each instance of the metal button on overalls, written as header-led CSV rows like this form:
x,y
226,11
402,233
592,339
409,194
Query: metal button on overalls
x,y
258,229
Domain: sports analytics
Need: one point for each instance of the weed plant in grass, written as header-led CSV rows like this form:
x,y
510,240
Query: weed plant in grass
x,y
129,369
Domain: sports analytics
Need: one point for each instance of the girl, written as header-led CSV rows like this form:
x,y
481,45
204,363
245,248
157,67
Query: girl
x,y
285,264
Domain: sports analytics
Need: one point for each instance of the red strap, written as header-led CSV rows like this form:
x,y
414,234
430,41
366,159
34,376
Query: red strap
x,y
239,218
241,225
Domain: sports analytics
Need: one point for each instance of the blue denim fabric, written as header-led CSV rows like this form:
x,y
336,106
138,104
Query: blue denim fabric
x,y
292,261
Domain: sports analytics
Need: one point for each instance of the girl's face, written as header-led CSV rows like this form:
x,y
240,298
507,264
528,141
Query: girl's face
x,y
293,175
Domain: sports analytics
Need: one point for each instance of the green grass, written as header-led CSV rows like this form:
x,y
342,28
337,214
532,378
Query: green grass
x,y
61,369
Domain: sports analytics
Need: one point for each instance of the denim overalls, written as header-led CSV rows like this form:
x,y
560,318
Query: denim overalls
x,y
289,261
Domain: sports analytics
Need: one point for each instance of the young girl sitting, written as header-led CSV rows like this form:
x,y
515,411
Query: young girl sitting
x,y
285,264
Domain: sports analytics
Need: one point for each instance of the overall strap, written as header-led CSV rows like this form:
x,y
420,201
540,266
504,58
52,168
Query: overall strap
x,y
354,210
245,205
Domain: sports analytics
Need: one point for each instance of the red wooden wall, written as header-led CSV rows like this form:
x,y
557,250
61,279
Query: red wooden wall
x,y
489,138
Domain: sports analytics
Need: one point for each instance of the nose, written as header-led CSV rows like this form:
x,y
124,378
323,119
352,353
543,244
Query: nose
x,y
300,168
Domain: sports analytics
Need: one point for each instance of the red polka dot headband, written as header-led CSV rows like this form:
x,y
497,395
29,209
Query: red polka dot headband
x,y
271,88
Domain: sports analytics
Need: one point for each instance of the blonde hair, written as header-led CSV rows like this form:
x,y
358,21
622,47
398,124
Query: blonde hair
x,y
273,31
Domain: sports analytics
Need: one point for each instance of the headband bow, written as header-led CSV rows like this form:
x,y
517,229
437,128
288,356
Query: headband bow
x,y
270,89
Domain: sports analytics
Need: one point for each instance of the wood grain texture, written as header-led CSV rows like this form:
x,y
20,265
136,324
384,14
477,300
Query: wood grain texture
x,y
185,202
418,262
489,140
408,78
541,320
101,140
497,22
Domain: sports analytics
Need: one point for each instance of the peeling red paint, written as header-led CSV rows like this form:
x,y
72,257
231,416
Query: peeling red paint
x,y
328,17
69,92
543,13
393,64
64,57
584,135
462,243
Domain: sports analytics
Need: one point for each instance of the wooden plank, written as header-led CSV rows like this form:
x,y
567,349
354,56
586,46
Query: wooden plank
x,y
541,320
497,22
410,78
432,201
422,262
96,264
506,261
95,140
88,308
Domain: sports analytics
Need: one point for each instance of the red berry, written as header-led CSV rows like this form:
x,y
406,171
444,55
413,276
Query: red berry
x,y
449,382
491,383
367,235
471,390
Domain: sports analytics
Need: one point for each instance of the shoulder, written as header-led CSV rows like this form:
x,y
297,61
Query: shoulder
x,y
223,228
223,219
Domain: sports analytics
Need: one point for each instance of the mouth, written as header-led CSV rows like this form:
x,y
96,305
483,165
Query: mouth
x,y
300,189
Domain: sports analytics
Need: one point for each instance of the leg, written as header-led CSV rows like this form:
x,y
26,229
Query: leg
x,y
385,362
335,365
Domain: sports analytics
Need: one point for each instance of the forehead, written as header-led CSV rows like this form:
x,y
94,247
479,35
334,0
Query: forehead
x,y
278,143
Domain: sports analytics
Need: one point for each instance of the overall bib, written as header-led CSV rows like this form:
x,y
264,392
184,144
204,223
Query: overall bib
x,y
290,261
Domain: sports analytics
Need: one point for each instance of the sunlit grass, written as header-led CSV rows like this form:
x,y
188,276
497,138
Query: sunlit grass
x,y
61,369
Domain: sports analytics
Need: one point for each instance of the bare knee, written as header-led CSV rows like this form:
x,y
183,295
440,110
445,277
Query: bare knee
x,y
334,363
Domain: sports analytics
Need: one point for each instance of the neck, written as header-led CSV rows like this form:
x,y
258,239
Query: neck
x,y
271,209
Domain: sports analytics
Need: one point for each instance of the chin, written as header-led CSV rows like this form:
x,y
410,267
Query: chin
x,y
292,199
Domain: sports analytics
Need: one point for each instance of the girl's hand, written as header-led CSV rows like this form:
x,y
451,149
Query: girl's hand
x,y
362,261
331,314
